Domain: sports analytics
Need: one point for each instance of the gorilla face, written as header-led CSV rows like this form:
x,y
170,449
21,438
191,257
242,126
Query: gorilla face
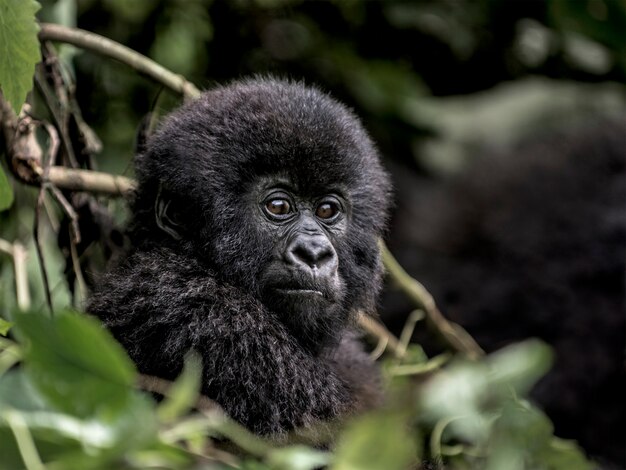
x,y
292,240
302,278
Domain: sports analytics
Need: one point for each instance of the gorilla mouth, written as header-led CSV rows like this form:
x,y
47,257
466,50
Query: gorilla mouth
x,y
295,291
294,287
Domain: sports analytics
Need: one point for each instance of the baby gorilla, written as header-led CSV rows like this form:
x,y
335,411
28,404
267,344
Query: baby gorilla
x,y
254,242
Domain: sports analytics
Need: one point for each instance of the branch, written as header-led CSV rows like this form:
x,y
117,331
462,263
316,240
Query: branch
x,y
152,384
92,181
18,253
377,331
25,161
453,334
107,47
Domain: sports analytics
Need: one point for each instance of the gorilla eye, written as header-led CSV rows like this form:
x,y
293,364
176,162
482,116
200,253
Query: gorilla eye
x,y
279,207
327,210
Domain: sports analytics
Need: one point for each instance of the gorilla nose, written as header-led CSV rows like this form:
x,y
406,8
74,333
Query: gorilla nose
x,y
314,253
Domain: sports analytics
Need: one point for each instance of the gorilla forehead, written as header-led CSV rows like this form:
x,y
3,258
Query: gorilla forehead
x,y
232,134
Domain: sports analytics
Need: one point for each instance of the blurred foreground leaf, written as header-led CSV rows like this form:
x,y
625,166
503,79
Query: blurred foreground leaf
x,y
475,418
5,326
72,404
6,193
298,458
523,438
183,393
76,363
376,441
519,366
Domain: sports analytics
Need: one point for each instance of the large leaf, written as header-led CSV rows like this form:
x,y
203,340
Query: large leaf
x,y
19,49
67,441
16,392
75,363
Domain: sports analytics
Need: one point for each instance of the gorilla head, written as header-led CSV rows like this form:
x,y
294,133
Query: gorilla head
x,y
254,233
279,190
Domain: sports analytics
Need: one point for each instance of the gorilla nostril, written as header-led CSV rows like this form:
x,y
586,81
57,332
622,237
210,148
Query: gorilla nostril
x,y
312,254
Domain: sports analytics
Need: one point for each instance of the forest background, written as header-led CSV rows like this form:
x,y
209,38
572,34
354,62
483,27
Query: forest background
x,y
441,86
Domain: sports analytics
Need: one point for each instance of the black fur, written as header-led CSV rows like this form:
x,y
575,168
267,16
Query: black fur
x,y
531,241
203,291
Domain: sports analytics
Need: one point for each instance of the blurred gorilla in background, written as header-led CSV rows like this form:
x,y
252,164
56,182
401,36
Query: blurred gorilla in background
x,y
254,242
531,242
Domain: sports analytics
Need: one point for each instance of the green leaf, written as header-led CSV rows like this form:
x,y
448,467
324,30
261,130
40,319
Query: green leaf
x,y
74,443
522,426
522,438
456,395
5,326
161,455
9,356
563,454
519,365
6,193
69,441
75,363
375,441
16,391
20,49
298,458
183,394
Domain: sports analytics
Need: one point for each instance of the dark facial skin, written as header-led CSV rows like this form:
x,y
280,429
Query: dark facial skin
x,y
302,276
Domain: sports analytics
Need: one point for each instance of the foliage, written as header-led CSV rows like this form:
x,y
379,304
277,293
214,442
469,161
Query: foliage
x,y
20,49
6,193
72,404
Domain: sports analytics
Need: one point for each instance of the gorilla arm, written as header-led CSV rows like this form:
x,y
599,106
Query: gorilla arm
x,y
160,305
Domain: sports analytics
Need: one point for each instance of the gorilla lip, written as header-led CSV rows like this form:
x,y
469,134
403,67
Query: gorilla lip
x,y
300,291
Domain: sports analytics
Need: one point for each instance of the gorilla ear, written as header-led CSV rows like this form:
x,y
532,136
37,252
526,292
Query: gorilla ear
x,y
163,214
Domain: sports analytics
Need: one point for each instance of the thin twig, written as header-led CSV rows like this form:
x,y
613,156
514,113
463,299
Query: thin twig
x,y
153,384
56,98
53,148
18,255
378,331
456,337
92,181
381,347
53,219
69,211
39,248
409,328
420,369
107,47
24,440
21,276
74,239
78,272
